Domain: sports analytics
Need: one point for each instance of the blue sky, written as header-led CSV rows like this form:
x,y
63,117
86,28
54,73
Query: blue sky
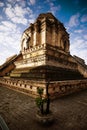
x,y
16,16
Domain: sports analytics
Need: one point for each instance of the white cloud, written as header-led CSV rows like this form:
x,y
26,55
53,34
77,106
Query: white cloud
x,y
19,11
9,40
79,47
32,2
9,11
54,8
78,31
84,18
9,45
20,20
85,36
77,44
9,24
78,38
20,2
80,53
5,55
17,14
9,0
1,17
4,28
11,28
1,4
83,54
74,20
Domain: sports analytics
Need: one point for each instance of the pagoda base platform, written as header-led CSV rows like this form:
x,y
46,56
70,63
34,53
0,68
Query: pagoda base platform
x,y
55,88
46,73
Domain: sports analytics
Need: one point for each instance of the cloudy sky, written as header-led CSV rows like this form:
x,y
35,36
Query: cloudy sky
x,y
16,15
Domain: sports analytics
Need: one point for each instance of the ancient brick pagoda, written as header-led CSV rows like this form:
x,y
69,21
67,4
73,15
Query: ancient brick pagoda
x,y
45,49
46,53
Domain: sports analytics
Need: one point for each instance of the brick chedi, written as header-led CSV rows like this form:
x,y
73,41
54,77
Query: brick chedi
x,y
45,47
45,59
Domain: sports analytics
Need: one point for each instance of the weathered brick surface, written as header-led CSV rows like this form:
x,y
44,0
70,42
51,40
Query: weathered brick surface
x,y
56,89
18,110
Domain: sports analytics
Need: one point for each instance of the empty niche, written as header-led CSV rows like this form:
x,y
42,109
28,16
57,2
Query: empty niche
x,y
25,86
30,86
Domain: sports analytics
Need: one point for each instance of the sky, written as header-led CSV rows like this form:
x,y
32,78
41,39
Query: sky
x,y
16,16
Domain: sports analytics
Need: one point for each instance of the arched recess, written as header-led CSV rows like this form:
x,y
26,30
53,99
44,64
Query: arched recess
x,y
65,43
25,40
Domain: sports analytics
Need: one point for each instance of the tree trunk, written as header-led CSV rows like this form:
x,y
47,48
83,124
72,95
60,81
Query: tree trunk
x,y
48,105
48,99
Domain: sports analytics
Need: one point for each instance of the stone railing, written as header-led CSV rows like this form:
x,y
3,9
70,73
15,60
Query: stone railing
x,y
55,89
83,70
60,88
82,67
31,62
34,48
25,86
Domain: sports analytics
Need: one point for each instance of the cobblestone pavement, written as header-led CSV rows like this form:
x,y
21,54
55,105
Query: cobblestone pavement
x,y
18,111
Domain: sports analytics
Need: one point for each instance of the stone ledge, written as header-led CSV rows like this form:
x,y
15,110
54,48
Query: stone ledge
x,y
56,89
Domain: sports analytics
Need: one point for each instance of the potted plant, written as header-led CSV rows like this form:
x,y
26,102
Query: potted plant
x,y
44,115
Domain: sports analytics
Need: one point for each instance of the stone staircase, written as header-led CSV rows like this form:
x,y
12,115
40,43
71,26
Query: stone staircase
x,y
82,67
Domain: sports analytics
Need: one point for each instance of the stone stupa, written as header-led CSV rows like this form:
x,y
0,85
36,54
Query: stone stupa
x,y
45,47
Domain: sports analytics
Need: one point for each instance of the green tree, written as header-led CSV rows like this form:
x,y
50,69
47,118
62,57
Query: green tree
x,y
40,101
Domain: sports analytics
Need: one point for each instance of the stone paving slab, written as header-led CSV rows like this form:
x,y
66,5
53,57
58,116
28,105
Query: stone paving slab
x,y
18,111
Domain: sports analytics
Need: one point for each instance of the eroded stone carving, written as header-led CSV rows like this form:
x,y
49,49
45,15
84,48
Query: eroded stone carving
x,y
25,41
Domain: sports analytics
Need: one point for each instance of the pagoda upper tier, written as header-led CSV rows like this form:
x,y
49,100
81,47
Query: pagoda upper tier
x,y
46,30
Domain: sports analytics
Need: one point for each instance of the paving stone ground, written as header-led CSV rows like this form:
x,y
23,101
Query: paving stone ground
x,y
18,111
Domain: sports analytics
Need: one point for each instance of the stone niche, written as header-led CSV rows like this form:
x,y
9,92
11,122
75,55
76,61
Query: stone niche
x,y
45,47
